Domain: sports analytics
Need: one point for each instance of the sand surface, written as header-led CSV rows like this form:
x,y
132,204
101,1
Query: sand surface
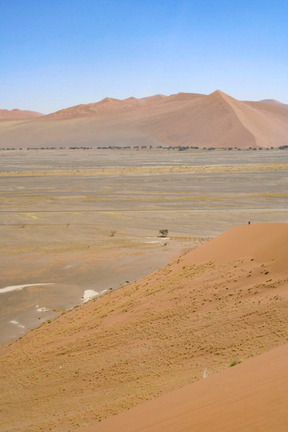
x,y
216,120
221,303
249,397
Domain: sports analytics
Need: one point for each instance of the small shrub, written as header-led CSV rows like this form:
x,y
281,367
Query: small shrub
x,y
235,362
163,232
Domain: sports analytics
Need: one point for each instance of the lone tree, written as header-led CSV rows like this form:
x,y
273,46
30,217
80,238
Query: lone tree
x,y
163,232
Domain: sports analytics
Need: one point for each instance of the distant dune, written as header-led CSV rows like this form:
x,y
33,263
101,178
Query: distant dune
x,y
183,119
215,306
274,102
17,114
249,397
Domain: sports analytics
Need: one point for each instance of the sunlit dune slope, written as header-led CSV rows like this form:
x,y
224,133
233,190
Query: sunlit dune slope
x,y
260,242
183,119
249,397
225,301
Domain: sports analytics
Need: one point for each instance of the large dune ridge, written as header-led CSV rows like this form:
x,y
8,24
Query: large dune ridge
x,y
216,305
183,119
249,397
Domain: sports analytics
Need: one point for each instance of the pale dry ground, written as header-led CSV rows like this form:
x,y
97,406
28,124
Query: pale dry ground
x,y
222,302
56,225
216,120
249,397
206,169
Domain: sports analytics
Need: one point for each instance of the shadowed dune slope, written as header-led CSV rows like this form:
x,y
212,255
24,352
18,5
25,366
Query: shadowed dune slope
x,y
222,302
249,397
266,122
183,119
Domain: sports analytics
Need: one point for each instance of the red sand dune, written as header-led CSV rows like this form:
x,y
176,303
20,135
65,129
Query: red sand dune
x,y
183,119
261,242
249,397
17,114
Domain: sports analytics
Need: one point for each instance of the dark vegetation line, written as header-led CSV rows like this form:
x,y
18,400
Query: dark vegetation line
x,y
178,148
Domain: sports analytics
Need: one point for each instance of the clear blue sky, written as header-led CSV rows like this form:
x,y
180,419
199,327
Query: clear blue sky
x,y
59,53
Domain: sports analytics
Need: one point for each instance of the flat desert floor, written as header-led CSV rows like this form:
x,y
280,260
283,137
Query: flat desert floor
x,y
77,223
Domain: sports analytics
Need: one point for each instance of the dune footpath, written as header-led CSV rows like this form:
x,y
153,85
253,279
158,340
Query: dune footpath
x,y
219,304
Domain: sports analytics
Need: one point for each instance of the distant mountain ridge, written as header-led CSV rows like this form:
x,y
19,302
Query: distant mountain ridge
x,y
274,102
17,114
184,119
112,105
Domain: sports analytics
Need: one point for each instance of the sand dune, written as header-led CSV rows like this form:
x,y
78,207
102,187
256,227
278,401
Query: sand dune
x,y
261,242
183,119
274,102
17,114
249,397
221,303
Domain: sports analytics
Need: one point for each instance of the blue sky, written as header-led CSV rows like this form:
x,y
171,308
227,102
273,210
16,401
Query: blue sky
x,y
59,53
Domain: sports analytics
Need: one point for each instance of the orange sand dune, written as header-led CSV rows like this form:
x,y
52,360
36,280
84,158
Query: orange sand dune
x,y
260,242
222,302
219,120
207,121
249,397
17,114
108,106
183,119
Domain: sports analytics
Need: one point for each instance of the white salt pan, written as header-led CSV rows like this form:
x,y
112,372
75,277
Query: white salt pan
x,y
43,309
17,323
20,287
89,295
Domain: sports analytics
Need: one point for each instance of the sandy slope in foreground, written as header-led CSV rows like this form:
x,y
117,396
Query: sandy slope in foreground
x,y
226,300
249,397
